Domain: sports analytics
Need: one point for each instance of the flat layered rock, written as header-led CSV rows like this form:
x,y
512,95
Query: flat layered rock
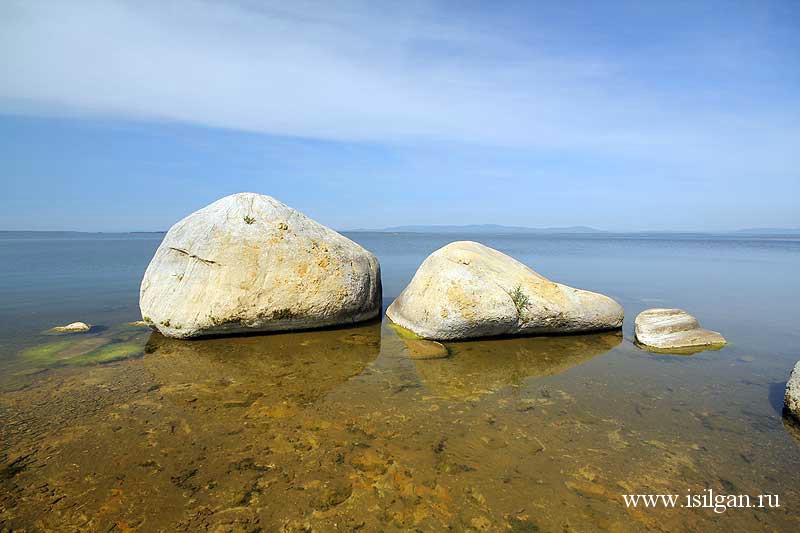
x,y
249,263
673,329
468,290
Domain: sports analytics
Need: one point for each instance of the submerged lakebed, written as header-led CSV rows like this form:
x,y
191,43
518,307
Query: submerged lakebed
x,y
341,429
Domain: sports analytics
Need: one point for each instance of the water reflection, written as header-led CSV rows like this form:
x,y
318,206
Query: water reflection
x,y
479,367
271,370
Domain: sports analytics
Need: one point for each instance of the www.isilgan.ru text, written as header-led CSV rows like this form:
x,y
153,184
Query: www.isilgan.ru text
x,y
702,500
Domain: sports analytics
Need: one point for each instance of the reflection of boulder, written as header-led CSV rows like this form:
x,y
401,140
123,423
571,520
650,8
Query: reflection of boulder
x,y
297,367
479,367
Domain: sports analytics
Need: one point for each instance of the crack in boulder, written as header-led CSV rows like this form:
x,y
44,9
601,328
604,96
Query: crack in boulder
x,y
184,252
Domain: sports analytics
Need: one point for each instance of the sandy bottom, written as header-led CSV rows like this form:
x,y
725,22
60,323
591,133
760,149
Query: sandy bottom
x,y
341,430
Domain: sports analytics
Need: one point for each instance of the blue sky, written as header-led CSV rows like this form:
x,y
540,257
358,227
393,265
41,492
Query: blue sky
x,y
618,115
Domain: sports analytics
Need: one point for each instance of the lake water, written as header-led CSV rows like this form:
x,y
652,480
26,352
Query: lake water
x,y
340,430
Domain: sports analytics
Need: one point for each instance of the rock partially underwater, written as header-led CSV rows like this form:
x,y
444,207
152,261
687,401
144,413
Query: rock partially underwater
x,y
674,331
249,263
791,398
75,327
468,290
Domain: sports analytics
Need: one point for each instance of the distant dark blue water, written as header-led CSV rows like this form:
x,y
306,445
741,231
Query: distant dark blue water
x,y
745,287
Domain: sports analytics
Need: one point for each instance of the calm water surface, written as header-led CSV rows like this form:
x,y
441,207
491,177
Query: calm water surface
x,y
340,430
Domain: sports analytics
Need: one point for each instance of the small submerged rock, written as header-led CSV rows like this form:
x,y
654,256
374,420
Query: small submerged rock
x,y
467,290
419,348
425,349
72,328
248,263
674,330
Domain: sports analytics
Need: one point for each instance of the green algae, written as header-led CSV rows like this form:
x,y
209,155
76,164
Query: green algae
x,y
418,347
46,352
114,351
404,333
94,350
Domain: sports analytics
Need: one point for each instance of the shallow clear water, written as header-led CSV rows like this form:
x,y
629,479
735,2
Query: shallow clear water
x,y
340,429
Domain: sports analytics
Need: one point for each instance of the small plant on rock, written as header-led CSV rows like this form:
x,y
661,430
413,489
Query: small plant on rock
x,y
520,299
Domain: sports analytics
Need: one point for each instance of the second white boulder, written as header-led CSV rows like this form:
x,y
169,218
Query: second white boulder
x,y
468,290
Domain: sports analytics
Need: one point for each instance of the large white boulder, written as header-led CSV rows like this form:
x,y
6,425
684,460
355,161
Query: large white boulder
x,y
249,263
468,290
673,329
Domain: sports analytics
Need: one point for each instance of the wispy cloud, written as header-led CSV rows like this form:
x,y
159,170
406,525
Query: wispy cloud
x,y
404,74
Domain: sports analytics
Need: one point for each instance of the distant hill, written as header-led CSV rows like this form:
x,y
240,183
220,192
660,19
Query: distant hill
x,y
769,231
486,228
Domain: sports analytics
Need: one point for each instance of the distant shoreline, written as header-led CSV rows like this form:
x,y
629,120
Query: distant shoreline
x,y
480,230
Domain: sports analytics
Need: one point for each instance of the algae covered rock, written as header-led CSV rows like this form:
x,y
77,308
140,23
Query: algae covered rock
x,y
113,344
418,348
468,290
249,263
673,330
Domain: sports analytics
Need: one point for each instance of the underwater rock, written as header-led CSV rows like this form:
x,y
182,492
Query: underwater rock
x,y
425,349
419,348
249,263
74,327
468,290
480,367
791,399
667,330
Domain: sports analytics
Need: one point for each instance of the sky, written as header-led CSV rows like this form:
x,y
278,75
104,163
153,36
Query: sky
x,y
126,116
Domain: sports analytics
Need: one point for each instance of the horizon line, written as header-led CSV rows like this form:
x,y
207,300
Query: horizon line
x,y
453,228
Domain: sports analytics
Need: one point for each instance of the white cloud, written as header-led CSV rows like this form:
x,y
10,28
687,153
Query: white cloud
x,y
360,72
